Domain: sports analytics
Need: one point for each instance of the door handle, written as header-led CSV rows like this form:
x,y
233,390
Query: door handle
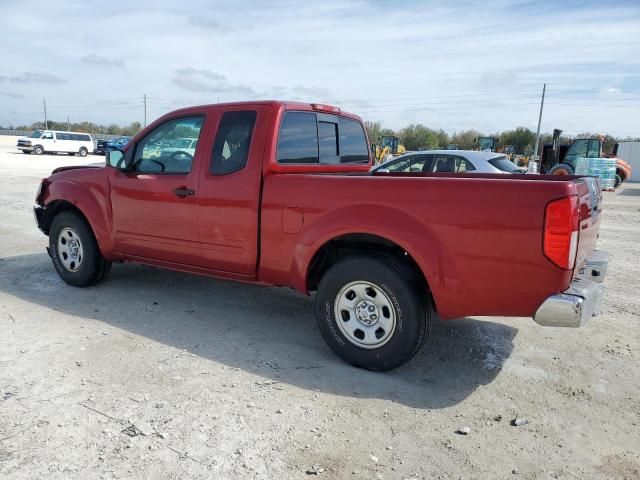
x,y
184,192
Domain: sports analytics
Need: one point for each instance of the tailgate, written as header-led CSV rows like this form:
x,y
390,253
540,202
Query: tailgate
x,y
590,205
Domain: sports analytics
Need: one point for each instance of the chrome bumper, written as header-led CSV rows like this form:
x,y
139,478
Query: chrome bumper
x,y
581,300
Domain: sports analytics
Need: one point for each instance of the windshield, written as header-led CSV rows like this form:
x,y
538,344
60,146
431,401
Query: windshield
x,y
36,134
501,163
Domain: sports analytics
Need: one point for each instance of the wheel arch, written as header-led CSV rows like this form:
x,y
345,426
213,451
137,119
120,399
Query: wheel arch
x,y
429,272
69,196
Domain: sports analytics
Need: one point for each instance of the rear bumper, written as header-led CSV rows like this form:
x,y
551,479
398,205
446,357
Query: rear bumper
x,y
576,305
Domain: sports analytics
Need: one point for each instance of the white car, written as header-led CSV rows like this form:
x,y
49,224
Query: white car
x,y
450,161
52,141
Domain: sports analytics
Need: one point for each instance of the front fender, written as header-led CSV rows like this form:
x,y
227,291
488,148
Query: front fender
x,y
392,224
91,199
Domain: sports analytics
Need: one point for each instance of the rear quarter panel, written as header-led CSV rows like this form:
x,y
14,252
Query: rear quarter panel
x,y
478,240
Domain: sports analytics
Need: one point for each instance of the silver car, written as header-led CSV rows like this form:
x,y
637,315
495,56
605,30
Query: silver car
x,y
450,161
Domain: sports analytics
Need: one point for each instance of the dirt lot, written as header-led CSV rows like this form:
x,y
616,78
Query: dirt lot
x,y
156,374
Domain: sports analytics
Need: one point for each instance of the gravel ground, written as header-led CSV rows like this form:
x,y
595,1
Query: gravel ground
x,y
157,374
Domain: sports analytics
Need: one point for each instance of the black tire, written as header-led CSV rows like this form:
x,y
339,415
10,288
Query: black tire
x,y
561,169
83,152
619,180
38,150
91,266
407,296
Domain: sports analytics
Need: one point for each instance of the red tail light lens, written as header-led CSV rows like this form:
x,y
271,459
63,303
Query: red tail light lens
x,y
561,232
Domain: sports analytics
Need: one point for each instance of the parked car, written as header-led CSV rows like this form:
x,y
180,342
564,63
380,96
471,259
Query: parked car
x,y
279,194
103,145
52,141
450,161
187,145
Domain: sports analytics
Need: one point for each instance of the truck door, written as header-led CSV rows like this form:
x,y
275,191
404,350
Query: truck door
x,y
154,205
48,142
229,191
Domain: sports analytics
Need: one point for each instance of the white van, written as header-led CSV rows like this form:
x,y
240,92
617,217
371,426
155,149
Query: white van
x,y
51,141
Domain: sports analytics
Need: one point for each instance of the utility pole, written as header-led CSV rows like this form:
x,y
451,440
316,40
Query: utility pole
x,y
44,106
535,149
144,100
68,123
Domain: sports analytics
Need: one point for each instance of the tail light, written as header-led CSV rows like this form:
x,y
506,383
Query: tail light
x,y
561,231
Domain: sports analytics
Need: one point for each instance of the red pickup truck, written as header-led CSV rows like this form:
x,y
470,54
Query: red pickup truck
x,y
279,193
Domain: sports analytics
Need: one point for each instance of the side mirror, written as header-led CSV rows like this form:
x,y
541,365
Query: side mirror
x,y
116,159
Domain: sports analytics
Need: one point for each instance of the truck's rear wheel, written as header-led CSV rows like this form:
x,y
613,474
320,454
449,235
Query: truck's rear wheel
x,y
619,180
74,251
83,152
372,313
561,169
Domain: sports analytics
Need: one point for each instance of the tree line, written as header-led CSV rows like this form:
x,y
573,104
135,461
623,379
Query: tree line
x,y
85,127
421,137
413,137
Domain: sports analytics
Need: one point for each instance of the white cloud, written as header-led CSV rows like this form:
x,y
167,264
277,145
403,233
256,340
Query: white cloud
x,y
97,60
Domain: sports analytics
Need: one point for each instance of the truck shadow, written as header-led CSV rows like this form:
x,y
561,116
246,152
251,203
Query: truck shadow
x,y
267,331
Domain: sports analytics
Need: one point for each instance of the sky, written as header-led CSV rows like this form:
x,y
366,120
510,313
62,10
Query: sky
x,y
452,65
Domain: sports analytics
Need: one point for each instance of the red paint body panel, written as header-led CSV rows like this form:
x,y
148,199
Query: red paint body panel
x,y
477,238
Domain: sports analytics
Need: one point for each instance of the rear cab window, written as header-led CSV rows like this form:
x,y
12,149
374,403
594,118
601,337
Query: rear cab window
x,y
321,138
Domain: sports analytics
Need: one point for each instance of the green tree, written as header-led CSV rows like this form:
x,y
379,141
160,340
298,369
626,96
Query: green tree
x,y
466,139
419,137
521,138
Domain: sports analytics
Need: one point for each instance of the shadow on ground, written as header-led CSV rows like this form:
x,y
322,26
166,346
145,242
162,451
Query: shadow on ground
x,y
267,331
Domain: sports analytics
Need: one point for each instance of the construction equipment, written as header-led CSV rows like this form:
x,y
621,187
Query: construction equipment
x,y
559,159
509,151
486,144
388,148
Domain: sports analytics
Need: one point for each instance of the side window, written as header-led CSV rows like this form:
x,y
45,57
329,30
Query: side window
x,y
412,164
48,136
353,142
463,165
328,142
298,141
161,151
233,140
443,163
403,165
594,149
418,163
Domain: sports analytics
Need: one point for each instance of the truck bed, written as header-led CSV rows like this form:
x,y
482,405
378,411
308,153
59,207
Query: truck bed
x,y
477,238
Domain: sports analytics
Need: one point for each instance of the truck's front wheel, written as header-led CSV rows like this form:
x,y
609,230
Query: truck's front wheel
x,y
74,251
372,313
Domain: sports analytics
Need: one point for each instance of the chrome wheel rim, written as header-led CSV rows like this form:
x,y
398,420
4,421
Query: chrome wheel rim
x,y
365,314
70,251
